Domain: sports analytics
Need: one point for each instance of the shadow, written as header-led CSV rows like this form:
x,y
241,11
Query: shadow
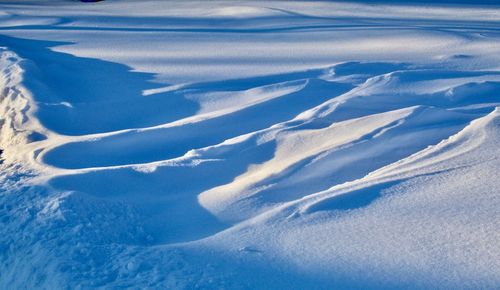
x,y
363,197
355,159
78,96
167,197
283,21
136,146
438,116
351,200
473,92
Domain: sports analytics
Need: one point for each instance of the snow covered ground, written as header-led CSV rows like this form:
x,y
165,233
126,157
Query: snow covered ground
x,y
249,145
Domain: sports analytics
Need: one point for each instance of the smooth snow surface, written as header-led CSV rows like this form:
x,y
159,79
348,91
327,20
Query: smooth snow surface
x,y
249,145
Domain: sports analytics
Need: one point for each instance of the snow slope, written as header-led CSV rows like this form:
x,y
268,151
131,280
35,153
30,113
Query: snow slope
x,y
249,144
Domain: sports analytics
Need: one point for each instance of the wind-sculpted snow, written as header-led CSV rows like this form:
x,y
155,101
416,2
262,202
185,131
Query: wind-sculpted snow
x,y
277,145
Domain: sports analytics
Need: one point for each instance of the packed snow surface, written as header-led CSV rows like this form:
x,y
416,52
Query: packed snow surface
x,y
249,145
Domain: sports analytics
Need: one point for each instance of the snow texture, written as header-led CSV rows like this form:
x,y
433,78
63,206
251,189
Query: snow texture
x,y
249,145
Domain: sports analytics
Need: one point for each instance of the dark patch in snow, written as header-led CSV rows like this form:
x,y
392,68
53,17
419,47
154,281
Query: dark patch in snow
x,y
352,200
35,137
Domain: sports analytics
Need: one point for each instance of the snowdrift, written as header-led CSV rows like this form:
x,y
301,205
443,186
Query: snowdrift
x,y
277,145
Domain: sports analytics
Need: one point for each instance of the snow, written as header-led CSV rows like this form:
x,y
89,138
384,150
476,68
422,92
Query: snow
x,y
249,144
